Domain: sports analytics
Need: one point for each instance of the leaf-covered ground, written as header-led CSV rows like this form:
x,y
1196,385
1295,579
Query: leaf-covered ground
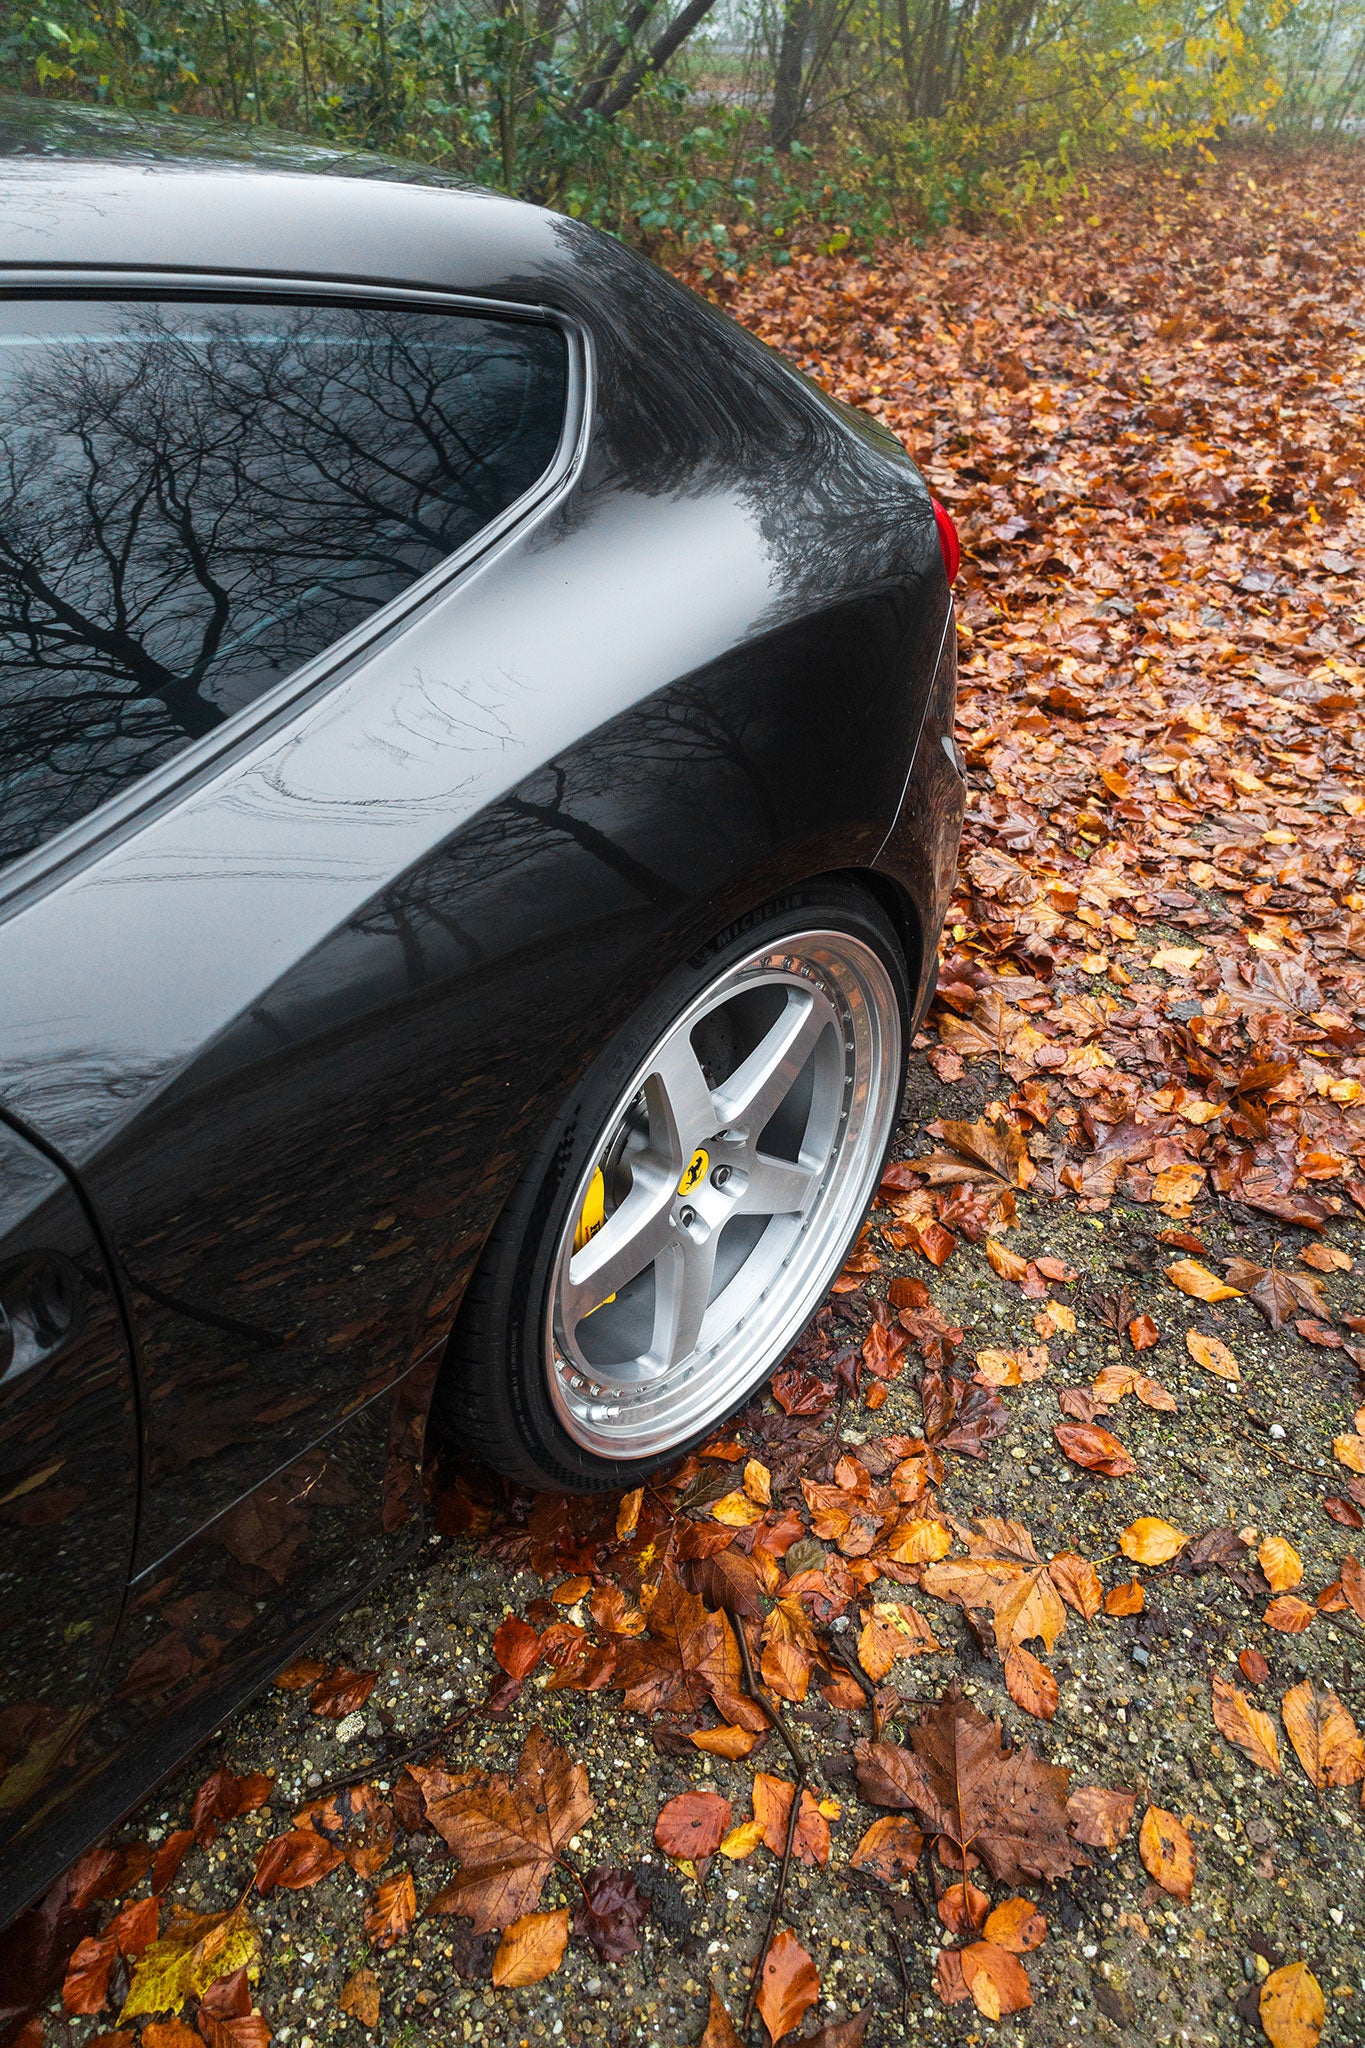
x,y
1045,1559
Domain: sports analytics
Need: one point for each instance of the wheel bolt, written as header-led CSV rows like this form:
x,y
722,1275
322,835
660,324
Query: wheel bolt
x,y
686,1218
720,1176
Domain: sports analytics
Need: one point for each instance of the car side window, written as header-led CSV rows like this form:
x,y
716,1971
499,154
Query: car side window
x,y
195,498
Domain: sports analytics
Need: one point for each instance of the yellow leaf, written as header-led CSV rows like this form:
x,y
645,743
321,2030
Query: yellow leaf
x,y
1292,2009
532,1948
1192,1278
1177,959
758,1483
1350,1451
919,1542
194,1952
1212,1354
1281,1564
628,1513
1149,1540
742,1840
736,1510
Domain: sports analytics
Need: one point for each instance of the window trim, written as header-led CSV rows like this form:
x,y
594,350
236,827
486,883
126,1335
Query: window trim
x,y
77,844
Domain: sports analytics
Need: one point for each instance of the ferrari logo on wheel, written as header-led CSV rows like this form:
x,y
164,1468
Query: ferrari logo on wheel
x,y
695,1170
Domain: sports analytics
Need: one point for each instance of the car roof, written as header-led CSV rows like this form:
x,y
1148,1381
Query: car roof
x,y
82,189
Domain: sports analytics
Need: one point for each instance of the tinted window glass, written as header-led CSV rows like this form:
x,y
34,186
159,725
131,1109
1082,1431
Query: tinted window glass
x,y
196,498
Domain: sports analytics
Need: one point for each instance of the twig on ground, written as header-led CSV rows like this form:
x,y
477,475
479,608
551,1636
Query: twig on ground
x,y
765,1705
775,1913
388,1764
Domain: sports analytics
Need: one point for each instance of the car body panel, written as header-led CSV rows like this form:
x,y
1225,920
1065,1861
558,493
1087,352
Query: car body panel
x,y
297,1011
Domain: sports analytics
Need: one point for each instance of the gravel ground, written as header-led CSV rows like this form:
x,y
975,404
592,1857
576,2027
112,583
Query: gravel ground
x,y
1280,1874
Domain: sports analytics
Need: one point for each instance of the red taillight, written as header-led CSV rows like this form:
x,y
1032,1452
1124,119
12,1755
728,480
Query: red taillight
x,y
947,538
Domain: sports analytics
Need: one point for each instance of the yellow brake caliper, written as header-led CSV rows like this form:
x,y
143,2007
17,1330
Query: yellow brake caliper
x,y
591,1218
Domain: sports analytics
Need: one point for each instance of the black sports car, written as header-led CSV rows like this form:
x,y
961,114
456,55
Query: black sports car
x,y
477,802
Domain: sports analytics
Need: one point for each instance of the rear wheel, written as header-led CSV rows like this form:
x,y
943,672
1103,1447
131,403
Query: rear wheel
x,y
682,1220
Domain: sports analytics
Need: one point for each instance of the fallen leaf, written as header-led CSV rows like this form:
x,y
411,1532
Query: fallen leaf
x,y
743,1839
1349,1450
720,2028
342,1692
516,1646
609,1911
295,1860
1078,1583
360,1997
692,1825
1143,1333
1192,1278
1150,1541
1030,1684
1253,1666
890,1849
1167,1853
772,1810
891,1631
963,1908
302,1674
1252,1731
1212,1354
531,1949
790,1985
1290,1615
85,1987
1281,1564
1277,1294
1292,2008
1093,1448
1324,1734
1353,1583
996,1979
1004,1806
392,1911
506,1832
1127,1598
1099,1817
1016,1925
195,1950
732,1743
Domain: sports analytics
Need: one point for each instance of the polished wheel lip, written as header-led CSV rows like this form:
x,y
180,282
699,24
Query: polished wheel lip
x,y
843,1017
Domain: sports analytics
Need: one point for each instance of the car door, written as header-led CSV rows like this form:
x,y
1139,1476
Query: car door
x,y
68,1491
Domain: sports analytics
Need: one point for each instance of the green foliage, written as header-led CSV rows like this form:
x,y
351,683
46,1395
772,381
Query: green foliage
x,y
910,113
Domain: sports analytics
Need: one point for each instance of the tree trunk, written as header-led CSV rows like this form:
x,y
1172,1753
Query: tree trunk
x,y
787,93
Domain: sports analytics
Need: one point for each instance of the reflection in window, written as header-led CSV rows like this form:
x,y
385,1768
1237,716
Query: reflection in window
x,y
196,498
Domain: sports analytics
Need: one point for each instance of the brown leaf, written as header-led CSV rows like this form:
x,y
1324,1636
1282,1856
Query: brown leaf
x,y
85,1987
302,1674
1016,1925
1290,1615
1252,1731
688,1657
1143,1333
392,1911
692,1825
1167,1852
1292,2010
996,1979
506,1832
1253,1667
360,1997
516,1647
1100,1818
1325,1737
342,1692
1078,1583
609,1911
295,1860
963,1908
170,1856
720,2028
772,1811
1353,1583
1003,1806
890,1849
1126,1598
136,1927
1031,1685
1089,1445
1278,1294
531,1949
790,1985
1212,1354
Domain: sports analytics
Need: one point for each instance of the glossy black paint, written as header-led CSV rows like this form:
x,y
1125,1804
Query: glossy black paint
x,y
293,1011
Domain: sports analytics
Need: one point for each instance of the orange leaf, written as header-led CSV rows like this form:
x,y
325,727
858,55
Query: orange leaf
x,y
997,1980
1030,1684
1292,2008
1212,1354
393,1910
516,1647
86,1985
342,1692
772,1810
1016,1924
1089,1445
789,1987
1192,1278
733,1743
1252,1731
295,1860
1167,1853
1290,1615
628,1513
360,1997
1078,1583
531,1949
1125,1599
963,1908
1099,1817
1253,1667
1150,1541
1143,1333
1281,1564
720,2028
692,1825
1325,1737
890,1848
301,1674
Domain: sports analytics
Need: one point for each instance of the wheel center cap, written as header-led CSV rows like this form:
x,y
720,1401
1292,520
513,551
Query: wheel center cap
x,y
696,1169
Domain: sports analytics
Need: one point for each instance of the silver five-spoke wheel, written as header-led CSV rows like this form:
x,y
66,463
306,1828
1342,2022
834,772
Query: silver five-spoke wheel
x,y
729,1179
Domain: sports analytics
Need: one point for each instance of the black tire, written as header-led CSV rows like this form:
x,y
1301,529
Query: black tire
x,y
492,1401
